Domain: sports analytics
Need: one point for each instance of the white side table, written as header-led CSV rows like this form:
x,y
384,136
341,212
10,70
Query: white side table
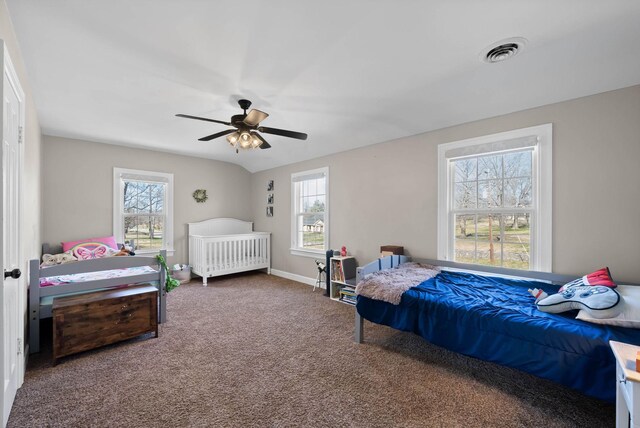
x,y
628,384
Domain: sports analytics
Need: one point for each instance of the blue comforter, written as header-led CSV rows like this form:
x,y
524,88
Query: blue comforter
x,y
495,319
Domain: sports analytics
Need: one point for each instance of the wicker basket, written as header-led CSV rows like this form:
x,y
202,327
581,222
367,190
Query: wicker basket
x,y
183,274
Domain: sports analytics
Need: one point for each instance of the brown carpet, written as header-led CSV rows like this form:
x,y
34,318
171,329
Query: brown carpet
x,y
258,351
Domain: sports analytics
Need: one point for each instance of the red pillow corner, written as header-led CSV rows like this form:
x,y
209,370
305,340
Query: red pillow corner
x,y
599,277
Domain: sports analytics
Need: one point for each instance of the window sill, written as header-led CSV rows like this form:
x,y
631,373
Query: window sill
x,y
170,253
307,253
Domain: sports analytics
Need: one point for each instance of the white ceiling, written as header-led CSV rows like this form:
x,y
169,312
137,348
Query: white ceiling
x,y
348,73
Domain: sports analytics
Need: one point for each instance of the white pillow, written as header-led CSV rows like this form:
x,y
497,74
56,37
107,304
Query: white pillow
x,y
630,316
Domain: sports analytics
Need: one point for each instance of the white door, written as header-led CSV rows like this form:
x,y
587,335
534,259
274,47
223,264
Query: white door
x,y
11,326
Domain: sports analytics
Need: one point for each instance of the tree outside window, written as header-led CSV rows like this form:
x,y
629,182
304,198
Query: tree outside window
x,y
492,209
142,209
144,216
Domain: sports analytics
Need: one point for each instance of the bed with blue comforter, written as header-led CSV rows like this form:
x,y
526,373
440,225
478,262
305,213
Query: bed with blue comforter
x,y
495,319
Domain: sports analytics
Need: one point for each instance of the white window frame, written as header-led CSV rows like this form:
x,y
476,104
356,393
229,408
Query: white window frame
x,y
541,230
295,249
118,202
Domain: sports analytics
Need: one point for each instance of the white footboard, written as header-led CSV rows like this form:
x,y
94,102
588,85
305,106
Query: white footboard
x,y
221,255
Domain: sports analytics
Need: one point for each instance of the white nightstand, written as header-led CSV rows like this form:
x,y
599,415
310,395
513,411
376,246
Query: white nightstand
x,y
628,384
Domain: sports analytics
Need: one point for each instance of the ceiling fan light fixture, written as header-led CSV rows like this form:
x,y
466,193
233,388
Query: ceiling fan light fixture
x,y
245,140
255,141
233,138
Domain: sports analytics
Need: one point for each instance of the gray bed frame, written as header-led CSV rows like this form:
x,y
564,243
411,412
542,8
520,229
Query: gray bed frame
x,y
38,311
393,261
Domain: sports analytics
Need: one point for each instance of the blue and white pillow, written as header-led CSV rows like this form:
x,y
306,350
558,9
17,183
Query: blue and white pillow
x,y
597,300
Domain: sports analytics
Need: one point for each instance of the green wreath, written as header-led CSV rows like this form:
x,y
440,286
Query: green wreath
x,y
200,195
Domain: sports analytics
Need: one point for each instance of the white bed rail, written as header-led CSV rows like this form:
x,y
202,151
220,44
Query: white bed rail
x,y
211,256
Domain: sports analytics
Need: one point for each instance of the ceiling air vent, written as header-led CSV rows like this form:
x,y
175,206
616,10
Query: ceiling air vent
x,y
503,50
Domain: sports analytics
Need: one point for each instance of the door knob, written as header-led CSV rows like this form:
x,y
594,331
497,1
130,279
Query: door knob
x,y
15,274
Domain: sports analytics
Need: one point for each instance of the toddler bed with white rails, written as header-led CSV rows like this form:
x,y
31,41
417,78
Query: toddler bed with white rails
x,y
222,246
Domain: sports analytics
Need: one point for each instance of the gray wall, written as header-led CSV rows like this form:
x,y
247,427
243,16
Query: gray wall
x,y
387,193
78,189
31,236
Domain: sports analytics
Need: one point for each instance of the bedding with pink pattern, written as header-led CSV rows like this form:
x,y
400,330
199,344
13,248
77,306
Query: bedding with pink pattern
x,y
94,248
93,276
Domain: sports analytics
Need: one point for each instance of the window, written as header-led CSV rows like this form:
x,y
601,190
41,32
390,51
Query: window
x,y
310,207
495,200
143,209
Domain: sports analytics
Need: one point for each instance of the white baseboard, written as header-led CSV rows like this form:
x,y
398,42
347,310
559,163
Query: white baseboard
x,y
297,278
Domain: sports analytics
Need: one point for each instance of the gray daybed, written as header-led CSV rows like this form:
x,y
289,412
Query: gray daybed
x,y
41,297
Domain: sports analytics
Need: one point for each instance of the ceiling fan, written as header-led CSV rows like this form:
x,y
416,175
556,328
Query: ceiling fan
x,y
246,127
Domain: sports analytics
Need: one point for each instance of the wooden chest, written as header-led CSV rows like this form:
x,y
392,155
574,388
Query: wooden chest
x,y
87,321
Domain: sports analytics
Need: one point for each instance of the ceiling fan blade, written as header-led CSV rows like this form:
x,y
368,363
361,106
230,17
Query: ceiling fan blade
x,y
283,132
254,117
216,135
203,118
264,144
